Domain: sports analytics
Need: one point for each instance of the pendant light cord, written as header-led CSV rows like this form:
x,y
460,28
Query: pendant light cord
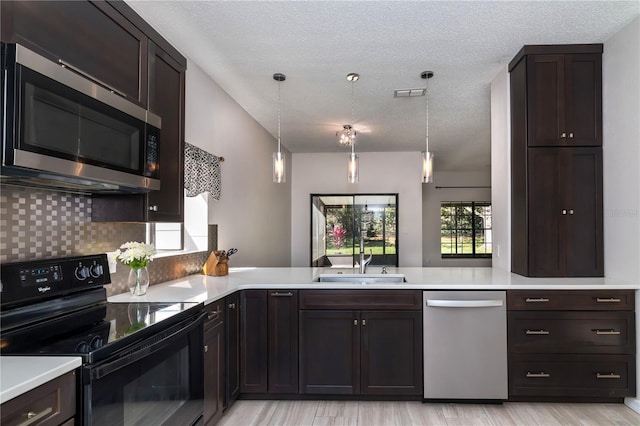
x,y
279,116
426,95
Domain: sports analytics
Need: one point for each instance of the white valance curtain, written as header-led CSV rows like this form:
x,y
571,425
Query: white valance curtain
x,y
201,172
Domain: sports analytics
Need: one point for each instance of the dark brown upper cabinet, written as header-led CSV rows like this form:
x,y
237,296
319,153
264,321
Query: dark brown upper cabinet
x,y
90,37
563,93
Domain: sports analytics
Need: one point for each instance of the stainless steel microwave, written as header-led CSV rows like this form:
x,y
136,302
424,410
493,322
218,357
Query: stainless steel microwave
x,y
62,129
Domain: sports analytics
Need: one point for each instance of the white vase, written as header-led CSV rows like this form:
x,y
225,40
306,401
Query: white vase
x,y
138,281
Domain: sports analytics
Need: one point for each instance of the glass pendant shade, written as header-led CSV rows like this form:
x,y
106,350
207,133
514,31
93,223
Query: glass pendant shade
x,y
347,135
279,175
352,168
427,167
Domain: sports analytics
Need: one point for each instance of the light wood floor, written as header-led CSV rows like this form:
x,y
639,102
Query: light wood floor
x,y
371,413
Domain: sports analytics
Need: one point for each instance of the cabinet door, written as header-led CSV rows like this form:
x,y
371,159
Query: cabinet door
x,y
232,347
91,37
213,372
391,357
253,341
283,341
329,352
166,99
583,100
584,247
545,207
545,99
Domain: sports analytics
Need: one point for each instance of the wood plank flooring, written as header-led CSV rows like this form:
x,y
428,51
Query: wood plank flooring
x,y
373,413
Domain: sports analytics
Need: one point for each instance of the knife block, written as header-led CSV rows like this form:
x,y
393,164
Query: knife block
x,y
215,265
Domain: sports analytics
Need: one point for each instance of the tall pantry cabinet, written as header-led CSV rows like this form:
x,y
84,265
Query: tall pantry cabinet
x,y
556,161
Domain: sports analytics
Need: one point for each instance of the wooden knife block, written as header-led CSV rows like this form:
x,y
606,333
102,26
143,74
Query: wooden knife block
x,y
215,265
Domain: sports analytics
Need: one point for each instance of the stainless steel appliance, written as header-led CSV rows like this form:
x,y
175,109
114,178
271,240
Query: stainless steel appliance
x,y
63,129
142,362
465,345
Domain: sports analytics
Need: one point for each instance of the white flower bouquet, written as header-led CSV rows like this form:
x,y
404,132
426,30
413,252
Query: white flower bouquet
x,y
135,255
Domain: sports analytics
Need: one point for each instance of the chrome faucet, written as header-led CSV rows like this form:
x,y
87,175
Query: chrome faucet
x,y
364,262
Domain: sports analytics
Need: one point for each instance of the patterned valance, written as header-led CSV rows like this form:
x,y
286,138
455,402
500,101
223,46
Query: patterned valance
x,y
201,172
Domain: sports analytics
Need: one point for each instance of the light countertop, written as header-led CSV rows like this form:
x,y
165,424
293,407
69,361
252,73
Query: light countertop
x,y
20,374
207,289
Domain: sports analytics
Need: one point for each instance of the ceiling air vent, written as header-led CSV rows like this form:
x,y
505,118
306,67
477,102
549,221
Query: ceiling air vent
x,y
409,93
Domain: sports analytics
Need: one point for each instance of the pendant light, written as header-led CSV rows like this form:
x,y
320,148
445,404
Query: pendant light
x,y
279,171
352,165
427,156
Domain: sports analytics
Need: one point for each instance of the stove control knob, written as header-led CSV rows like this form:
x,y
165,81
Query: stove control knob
x,y
82,273
83,347
96,342
96,270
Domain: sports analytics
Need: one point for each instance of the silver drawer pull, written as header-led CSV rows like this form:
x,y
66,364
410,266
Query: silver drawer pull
x,y
536,299
607,376
214,314
608,300
607,332
278,294
33,417
537,332
232,305
541,374
355,322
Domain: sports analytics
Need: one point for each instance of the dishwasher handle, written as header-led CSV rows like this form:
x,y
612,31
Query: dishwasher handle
x,y
446,303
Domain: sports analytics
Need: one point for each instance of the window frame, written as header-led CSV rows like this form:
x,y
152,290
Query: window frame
x,y
472,205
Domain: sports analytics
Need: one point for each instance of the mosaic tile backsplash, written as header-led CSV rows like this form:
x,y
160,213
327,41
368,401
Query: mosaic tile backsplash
x,y
39,224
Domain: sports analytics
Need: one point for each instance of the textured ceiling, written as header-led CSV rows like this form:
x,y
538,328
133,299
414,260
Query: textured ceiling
x,y
389,43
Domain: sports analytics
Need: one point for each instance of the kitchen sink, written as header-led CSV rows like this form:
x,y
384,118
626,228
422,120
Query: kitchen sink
x,y
361,278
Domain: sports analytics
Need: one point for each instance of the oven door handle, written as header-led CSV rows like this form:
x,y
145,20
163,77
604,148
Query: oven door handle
x,y
102,370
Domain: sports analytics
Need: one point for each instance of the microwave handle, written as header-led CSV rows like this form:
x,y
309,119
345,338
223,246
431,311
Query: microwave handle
x,y
72,68
115,365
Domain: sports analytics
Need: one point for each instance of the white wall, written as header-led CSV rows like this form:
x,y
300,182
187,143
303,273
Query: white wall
x,y
253,213
380,172
500,170
621,153
621,162
432,197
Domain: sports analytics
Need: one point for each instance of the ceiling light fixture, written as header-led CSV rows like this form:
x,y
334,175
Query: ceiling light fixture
x,y
352,165
347,136
427,157
279,172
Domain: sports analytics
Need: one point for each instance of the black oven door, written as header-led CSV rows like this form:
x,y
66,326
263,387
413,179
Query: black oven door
x,y
158,381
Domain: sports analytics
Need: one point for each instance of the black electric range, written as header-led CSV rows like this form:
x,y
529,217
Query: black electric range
x,y
151,353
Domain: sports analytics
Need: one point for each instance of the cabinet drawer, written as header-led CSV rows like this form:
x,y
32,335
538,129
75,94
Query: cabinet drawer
x,y
215,314
361,299
572,375
571,332
50,404
571,300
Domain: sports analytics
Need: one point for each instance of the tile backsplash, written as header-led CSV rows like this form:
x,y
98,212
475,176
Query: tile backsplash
x,y
38,224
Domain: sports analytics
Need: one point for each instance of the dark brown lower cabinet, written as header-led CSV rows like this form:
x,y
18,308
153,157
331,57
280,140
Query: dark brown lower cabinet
x,y
214,365
361,352
232,349
269,341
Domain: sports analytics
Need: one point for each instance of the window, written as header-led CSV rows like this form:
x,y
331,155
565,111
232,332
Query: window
x,y
465,229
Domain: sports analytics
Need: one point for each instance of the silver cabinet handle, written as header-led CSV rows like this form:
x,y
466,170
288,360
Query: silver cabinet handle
x,y
464,303
364,322
153,208
355,322
33,417
541,374
564,212
571,135
70,67
206,348
563,135
214,314
608,300
278,294
536,299
571,211
537,332
611,332
608,376
232,305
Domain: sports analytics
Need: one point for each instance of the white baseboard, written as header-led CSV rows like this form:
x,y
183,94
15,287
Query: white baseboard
x,y
633,403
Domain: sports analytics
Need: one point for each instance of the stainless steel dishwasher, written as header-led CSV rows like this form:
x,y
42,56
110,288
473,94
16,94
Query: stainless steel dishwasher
x,y
465,345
